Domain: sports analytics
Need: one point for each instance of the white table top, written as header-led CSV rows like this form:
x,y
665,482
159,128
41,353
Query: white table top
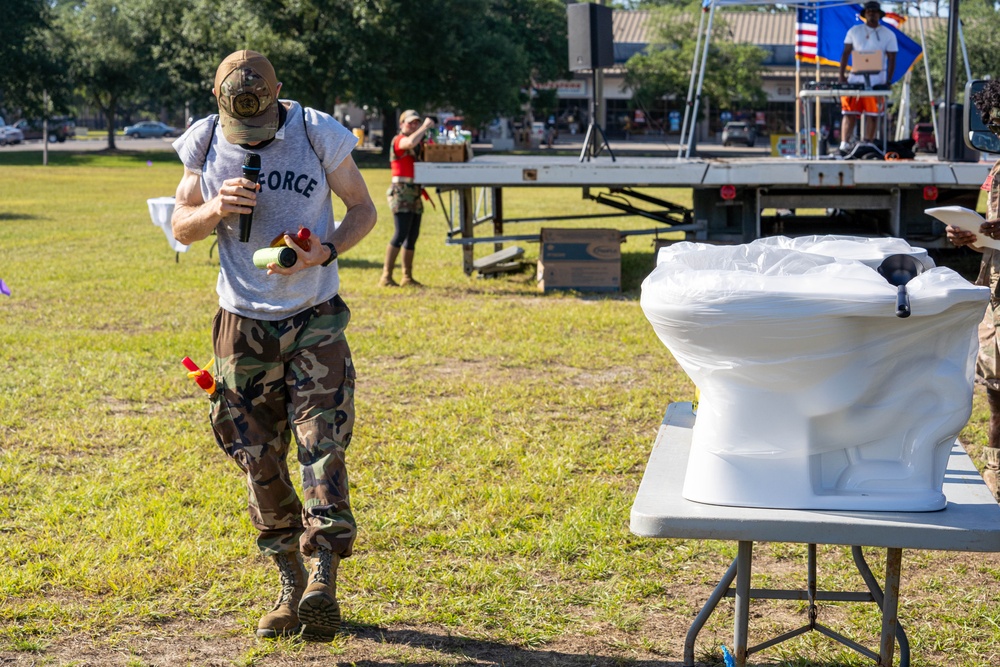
x,y
844,93
970,522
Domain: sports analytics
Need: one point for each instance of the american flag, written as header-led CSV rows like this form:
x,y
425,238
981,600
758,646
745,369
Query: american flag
x,y
806,35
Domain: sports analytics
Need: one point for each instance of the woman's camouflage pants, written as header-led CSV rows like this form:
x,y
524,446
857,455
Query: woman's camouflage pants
x,y
276,378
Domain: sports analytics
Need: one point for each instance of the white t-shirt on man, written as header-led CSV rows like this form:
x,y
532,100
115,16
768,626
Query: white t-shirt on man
x,y
865,39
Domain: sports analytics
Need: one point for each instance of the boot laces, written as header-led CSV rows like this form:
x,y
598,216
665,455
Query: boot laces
x,y
286,567
324,563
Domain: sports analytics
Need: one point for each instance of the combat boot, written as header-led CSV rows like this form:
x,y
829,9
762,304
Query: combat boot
x,y
319,611
283,619
991,474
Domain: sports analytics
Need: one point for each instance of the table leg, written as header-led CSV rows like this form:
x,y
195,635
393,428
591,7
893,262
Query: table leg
x,y
808,133
892,574
890,606
466,214
744,562
699,622
497,217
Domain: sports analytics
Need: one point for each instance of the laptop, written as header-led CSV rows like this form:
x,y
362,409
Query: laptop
x,y
866,62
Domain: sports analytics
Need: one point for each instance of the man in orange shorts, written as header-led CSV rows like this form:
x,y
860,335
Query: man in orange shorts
x,y
870,36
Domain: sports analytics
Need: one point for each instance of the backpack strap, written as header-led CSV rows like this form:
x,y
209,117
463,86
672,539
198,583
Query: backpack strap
x,y
208,145
211,137
305,126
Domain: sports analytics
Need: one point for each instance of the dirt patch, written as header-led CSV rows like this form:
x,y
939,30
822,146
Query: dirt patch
x,y
222,642
655,639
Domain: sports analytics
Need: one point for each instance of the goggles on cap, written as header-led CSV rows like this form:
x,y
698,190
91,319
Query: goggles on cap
x,y
245,94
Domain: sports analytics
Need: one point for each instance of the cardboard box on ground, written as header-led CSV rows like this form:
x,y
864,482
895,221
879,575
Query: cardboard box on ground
x,y
588,260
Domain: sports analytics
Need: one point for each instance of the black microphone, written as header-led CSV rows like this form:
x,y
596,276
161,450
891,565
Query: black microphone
x,y
251,170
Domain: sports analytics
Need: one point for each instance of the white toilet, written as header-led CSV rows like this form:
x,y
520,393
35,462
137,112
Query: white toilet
x,y
814,394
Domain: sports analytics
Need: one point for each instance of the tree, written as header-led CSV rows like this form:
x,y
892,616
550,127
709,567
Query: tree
x,y
188,41
311,44
109,56
732,74
32,55
474,56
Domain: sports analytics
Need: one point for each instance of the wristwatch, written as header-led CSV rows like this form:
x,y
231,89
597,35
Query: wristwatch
x,y
333,254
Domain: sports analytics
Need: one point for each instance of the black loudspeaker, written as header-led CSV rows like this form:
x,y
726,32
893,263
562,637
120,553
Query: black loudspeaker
x,y
591,38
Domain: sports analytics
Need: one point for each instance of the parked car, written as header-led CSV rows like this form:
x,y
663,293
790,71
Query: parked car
x,y
151,129
923,135
60,128
739,132
10,135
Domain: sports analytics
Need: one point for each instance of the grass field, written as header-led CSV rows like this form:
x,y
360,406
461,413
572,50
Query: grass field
x,y
500,439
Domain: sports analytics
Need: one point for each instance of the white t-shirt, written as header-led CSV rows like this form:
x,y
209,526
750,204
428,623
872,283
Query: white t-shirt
x,y
865,39
294,192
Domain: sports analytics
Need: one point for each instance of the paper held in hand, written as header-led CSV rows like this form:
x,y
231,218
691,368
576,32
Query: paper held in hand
x,y
964,218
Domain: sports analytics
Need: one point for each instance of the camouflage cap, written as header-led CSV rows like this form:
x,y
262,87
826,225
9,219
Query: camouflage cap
x,y
247,90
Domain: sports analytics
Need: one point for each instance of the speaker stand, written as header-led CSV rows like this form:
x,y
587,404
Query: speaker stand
x,y
592,147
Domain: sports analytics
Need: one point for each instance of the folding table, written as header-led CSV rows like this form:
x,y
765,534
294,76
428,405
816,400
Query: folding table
x,y
970,522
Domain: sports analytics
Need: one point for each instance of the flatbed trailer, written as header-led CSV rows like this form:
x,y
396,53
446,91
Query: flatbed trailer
x,y
735,200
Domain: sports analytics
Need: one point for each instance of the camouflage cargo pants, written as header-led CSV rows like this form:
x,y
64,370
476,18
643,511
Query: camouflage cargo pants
x,y
276,379
987,366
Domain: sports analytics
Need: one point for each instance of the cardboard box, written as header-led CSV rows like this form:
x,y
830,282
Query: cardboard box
x,y
447,152
588,260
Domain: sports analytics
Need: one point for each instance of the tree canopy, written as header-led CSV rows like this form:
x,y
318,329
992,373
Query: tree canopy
x,y
733,72
475,56
32,53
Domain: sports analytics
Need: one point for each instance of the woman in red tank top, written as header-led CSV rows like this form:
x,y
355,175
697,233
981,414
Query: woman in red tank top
x,y
404,197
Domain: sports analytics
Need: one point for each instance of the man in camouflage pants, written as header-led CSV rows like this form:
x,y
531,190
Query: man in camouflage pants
x,y
988,363
283,366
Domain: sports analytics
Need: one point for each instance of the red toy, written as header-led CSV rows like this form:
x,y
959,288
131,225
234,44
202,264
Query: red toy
x,y
204,379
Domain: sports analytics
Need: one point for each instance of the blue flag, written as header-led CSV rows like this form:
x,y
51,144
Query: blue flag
x,y
820,32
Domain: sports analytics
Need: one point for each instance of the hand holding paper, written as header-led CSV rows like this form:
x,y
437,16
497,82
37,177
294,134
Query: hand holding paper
x,y
967,219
